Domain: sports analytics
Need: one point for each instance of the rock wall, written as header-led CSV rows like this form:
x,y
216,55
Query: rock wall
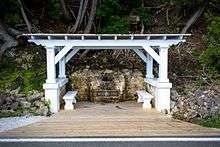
x,y
125,83
193,105
12,103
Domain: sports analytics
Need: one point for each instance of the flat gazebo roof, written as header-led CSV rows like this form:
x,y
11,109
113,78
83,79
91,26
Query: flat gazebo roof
x,y
107,36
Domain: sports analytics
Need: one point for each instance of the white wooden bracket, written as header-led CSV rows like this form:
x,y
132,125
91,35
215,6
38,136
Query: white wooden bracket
x,y
140,54
62,53
71,54
152,53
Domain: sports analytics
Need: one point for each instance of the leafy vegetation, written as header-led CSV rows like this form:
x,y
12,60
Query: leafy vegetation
x,y
54,12
116,24
10,12
26,72
13,19
213,122
210,57
114,18
145,15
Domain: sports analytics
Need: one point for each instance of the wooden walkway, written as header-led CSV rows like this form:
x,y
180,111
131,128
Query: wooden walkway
x,y
110,120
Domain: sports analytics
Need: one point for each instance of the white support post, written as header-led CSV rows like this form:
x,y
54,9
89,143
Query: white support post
x,y
52,86
149,67
51,67
163,66
162,91
62,68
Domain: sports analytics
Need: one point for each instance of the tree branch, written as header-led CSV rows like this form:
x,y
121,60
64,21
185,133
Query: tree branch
x,y
24,16
74,28
91,17
194,18
83,11
65,11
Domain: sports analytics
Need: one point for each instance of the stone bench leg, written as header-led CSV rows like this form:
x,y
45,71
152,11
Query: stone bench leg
x,y
69,104
146,104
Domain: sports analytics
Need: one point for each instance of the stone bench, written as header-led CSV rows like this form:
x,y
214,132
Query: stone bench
x,y
70,100
145,98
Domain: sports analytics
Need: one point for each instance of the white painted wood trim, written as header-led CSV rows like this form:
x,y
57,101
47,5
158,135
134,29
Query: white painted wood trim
x,y
149,72
71,54
62,53
163,67
152,53
140,54
99,36
51,68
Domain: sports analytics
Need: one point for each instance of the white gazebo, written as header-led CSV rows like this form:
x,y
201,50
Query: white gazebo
x,y
62,47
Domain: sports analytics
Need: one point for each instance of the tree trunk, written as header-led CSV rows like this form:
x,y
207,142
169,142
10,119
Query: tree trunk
x,y
24,16
65,11
91,17
83,11
74,28
194,18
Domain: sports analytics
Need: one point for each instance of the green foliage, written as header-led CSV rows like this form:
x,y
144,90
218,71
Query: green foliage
x,y
116,25
27,80
108,8
144,15
10,12
211,57
19,112
47,103
213,122
9,6
112,17
213,34
134,4
13,19
6,79
55,10
27,72
31,80
184,2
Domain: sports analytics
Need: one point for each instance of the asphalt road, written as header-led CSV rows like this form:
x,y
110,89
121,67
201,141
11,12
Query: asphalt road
x,y
112,142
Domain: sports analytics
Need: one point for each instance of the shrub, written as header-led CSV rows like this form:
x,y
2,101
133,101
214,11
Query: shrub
x,y
116,25
211,58
144,15
213,122
12,19
55,10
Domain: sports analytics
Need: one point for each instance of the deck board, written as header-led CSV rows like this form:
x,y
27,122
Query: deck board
x,y
120,119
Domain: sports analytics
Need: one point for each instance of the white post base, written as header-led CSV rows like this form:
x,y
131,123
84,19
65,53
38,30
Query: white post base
x,y
162,99
52,94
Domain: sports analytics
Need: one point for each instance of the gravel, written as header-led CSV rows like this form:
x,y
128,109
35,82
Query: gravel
x,y
10,123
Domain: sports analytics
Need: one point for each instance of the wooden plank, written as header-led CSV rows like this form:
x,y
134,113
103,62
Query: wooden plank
x,y
89,119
